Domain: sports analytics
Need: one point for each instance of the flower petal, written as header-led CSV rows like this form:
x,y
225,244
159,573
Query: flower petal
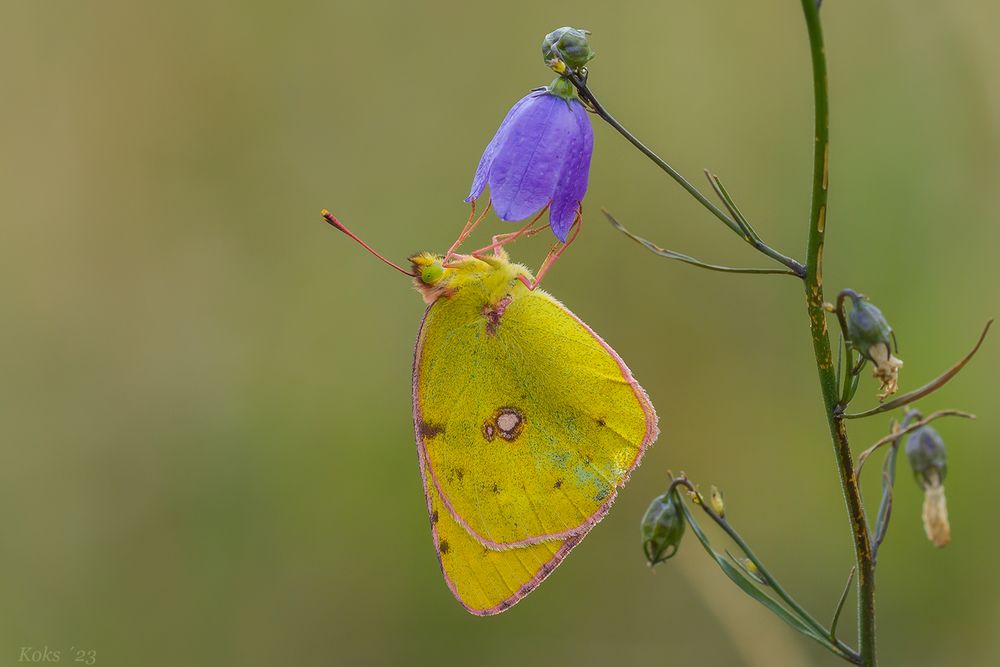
x,y
527,165
486,161
572,184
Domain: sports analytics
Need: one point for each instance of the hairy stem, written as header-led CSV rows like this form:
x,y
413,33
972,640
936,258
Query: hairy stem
x,y
821,342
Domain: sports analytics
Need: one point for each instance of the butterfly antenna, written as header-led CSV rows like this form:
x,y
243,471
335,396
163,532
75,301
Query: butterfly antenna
x,y
339,225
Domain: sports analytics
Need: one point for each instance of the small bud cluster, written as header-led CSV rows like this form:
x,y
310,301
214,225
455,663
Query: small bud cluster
x,y
567,46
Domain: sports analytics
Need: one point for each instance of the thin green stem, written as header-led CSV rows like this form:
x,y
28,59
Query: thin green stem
x,y
888,482
763,575
850,383
750,234
751,238
768,577
821,341
840,605
906,429
660,162
687,259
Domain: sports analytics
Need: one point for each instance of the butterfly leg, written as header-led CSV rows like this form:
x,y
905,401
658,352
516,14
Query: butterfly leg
x,y
470,225
554,253
502,239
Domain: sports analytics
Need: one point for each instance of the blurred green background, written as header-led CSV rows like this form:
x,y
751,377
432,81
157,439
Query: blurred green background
x,y
205,400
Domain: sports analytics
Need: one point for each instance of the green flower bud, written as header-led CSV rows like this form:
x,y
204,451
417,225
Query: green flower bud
x,y
662,529
571,43
928,458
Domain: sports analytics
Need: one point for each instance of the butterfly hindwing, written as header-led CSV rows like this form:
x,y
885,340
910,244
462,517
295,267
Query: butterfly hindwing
x,y
484,580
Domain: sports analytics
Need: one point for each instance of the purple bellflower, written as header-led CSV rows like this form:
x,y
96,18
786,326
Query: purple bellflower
x,y
540,156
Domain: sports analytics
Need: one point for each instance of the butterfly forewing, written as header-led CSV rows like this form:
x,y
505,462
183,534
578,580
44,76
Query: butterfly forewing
x,y
528,421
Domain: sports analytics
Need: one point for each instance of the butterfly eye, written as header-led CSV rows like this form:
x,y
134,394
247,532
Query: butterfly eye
x,y
431,273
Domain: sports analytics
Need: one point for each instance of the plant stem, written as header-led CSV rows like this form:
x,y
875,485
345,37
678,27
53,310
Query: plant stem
x,y
662,164
821,342
844,650
751,238
687,259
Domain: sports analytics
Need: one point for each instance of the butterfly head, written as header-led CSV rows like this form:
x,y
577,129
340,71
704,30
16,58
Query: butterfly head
x,y
434,277
428,269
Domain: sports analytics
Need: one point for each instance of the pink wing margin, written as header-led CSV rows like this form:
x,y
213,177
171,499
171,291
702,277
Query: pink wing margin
x,y
652,432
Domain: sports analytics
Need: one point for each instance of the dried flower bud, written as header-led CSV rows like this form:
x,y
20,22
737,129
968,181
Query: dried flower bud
x,y
929,460
871,335
662,529
572,45
935,517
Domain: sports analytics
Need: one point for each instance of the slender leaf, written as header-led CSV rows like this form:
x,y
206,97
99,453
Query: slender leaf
x,y
840,604
748,587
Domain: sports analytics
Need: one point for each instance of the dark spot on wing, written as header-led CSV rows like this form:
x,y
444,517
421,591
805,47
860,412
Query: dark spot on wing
x,y
444,547
434,516
429,430
601,422
558,484
496,489
493,313
507,422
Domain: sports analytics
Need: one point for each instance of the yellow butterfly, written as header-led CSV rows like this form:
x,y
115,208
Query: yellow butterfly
x,y
527,424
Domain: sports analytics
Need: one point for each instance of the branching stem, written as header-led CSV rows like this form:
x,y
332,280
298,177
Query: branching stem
x,y
821,341
737,226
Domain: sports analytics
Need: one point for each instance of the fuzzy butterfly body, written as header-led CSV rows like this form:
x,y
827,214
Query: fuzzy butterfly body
x,y
527,424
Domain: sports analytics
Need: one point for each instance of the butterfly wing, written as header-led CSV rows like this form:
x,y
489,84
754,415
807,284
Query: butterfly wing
x,y
485,581
527,420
